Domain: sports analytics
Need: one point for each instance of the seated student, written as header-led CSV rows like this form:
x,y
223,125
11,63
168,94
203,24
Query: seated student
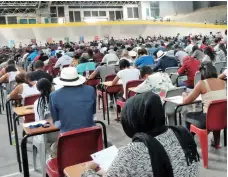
x,y
180,54
211,88
197,53
98,56
126,74
209,56
155,150
63,60
144,59
25,89
125,55
190,67
223,75
3,70
110,57
85,65
104,70
74,105
156,82
75,60
10,73
164,61
39,72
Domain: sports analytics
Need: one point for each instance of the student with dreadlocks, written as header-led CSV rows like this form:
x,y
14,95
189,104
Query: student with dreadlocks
x,y
42,112
156,150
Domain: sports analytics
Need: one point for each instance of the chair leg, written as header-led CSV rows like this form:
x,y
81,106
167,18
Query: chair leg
x,y
216,135
204,149
225,137
98,100
180,118
43,160
34,157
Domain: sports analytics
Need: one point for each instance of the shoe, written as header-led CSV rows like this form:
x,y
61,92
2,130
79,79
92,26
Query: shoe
x,y
215,146
111,104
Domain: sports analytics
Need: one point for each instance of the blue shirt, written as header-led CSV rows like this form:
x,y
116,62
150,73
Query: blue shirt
x,y
82,67
144,61
33,55
73,107
151,51
165,62
53,53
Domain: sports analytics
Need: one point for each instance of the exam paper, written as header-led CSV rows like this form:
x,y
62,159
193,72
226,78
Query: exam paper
x,y
105,157
35,123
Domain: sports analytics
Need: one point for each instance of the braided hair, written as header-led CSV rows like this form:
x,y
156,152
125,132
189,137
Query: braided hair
x,y
44,86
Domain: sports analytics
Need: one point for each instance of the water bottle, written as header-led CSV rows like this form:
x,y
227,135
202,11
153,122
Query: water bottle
x,y
13,138
87,72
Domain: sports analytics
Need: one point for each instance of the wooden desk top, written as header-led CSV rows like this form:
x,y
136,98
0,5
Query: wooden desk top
x,y
132,89
39,130
109,83
75,170
24,110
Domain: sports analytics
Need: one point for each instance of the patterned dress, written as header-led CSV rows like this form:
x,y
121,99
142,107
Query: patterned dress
x,y
133,160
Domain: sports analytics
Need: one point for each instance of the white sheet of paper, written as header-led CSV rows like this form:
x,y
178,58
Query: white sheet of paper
x,y
35,123
105,157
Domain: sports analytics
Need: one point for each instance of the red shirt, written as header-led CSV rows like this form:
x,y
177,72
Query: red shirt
x,y
190,67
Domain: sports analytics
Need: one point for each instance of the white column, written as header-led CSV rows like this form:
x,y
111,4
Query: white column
x,y
66,14
144,10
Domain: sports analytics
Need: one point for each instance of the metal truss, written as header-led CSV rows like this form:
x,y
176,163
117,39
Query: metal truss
x,y
18,3
17,11
93,3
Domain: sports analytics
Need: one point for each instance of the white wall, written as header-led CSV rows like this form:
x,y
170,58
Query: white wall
x,y
41,34
143,10
168,8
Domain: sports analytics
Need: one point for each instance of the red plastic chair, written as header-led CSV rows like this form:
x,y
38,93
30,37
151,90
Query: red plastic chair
x,y
216,120
103,97
30,101
120,103
75,147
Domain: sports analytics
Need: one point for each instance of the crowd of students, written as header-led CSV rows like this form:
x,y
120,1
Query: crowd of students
x,y
156,149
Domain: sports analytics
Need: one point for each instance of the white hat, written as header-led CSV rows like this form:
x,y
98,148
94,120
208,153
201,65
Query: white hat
x,y
160,54
132,53
69,77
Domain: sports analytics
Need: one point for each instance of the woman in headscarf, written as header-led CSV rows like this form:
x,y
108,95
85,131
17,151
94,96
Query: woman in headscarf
x,y
156,150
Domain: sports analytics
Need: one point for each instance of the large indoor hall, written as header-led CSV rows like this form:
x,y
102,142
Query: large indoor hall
x,y
113,88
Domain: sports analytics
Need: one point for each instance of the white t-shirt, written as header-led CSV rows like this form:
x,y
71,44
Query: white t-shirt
x,y
29,91
188,49
64,60
128,74
110,57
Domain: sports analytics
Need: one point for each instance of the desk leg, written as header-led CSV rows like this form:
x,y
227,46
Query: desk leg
x,y
175,115
25,156
102,98
104,133
225,136
107,107
8,124
2,95
16,141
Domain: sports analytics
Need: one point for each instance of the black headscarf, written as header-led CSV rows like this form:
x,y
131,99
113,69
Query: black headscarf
x,y
143,119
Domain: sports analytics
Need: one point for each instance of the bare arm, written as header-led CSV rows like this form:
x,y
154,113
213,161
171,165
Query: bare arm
x,y
4,78
15,94
115,81
222,76
193,95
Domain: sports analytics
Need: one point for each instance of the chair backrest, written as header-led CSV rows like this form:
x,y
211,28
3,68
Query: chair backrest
x,y
171,70
175,92
170,107
110,77
217,115
130,84
30,101
197,77
219,66
76,146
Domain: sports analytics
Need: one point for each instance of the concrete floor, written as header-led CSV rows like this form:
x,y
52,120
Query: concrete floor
x,y
9,167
